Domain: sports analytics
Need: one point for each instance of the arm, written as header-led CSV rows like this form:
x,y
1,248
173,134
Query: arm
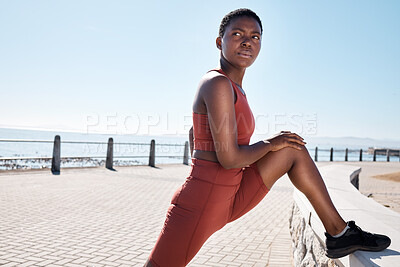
x,y
219,99
191,141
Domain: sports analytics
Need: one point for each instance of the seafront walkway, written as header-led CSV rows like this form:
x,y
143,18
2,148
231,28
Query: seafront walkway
x,y
98,217
383,191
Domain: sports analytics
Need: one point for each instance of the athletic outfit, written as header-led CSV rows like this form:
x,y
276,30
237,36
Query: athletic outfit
x,y
211,196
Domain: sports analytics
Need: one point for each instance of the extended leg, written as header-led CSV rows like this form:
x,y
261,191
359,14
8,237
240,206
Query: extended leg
x,y
305,176
148,264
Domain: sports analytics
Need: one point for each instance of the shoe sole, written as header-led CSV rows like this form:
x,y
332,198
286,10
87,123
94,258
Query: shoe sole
x,y
338,253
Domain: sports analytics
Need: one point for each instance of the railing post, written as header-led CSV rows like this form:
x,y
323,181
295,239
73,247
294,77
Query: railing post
x,y
56,160
152,153
316,154
110,154
374,159
387,155
361,154
346,155
186,154
331,158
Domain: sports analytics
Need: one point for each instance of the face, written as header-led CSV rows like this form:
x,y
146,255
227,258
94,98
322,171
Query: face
x,y
241,42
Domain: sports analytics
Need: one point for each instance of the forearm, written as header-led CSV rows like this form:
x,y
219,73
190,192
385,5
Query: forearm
x,y
241,156
245,155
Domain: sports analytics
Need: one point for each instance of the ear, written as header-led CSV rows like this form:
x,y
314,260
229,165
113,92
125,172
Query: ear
x,y
218,42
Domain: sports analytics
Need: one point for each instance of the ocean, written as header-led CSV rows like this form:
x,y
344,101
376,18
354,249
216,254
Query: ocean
x,y
169,149
137,154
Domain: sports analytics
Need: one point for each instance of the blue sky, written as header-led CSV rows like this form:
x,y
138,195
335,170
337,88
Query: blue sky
x,y
326,68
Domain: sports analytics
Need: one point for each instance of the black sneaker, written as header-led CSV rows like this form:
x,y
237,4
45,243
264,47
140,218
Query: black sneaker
x,y
354,239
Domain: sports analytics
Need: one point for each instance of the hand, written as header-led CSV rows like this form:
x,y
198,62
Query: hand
x,y
286,139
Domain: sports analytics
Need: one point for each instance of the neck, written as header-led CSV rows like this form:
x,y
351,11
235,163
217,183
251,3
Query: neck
x,y
234,73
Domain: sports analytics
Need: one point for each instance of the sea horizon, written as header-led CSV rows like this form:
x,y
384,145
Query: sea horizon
x,y
169,148
324,140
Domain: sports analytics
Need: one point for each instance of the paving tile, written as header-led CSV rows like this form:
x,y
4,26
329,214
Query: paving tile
x,y
3,262
70,264
96,217
9,264
45,263
84,217
27,263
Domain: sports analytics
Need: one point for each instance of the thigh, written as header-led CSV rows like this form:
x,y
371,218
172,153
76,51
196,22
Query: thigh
x,y
170,248
198,209
275,164
251,191
259,178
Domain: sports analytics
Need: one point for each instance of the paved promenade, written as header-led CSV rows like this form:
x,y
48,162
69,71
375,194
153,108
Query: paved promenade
x,y
97,217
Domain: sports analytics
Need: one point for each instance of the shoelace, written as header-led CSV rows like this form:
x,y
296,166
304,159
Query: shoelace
x,y
365,236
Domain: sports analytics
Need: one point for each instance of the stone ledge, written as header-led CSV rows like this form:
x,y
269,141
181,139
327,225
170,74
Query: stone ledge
x,y
307,248
352,205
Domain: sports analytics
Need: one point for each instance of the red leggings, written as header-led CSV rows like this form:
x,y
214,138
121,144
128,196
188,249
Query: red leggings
x,y
211,197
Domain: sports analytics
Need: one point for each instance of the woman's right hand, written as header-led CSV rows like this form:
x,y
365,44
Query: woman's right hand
x,y
286,139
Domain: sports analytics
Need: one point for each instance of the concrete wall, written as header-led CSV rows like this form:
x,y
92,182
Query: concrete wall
x,y
307,249
308,232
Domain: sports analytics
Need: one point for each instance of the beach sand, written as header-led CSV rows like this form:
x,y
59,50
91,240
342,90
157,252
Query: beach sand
x,y
395,177
379,180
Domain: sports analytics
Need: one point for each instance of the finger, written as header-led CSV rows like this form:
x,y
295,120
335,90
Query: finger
x,y
298,136
297,141
295,146
294,142
295,135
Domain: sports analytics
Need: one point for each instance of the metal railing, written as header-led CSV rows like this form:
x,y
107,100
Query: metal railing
x,y
375,152
56,158
109,157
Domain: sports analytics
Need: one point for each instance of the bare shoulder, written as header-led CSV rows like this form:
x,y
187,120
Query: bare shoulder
x,y
214,83
213,87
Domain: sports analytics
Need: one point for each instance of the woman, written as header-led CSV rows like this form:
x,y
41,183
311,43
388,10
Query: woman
x,y
228,176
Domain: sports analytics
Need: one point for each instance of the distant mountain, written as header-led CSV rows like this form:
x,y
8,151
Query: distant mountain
x,y
312,142
345,142
352,142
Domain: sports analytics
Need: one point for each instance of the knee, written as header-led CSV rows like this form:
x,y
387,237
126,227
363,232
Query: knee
x,y
296,155
296,152
303,151
301,156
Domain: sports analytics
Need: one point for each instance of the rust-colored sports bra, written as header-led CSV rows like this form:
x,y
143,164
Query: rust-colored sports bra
x,y
245,123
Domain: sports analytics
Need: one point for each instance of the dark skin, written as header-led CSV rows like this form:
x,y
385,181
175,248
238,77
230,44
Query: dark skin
x,y
239,48
283,153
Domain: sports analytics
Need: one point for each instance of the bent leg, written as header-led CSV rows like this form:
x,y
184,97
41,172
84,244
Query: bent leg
x,y
198,209
251,191
194,215
305,176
